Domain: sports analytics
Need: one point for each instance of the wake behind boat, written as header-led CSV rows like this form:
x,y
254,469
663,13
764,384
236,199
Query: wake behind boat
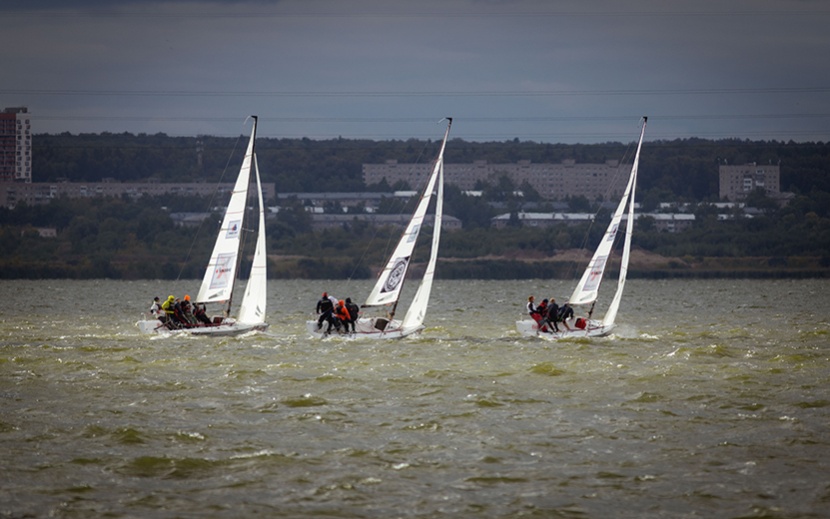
x,y
587,290
387,289
221,274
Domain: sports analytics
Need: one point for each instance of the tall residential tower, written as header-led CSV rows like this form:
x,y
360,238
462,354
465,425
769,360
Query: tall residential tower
x,y
15,145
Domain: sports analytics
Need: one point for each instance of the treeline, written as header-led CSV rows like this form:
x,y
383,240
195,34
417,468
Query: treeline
x,y
123,238
120,238
682,169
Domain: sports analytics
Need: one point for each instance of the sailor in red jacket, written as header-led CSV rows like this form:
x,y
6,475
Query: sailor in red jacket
x,y
342,314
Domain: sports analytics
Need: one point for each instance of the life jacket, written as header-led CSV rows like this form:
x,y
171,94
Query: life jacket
x,y
580,323
539,314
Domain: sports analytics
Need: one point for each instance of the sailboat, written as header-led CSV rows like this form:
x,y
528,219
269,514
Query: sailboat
x,y
222,269
586,292
387,289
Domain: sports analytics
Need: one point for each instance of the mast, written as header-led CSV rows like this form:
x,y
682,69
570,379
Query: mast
x,y
417,309
611,314
254,302
438,169
250,154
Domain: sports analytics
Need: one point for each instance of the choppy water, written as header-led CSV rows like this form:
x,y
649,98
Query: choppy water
x,y
711,402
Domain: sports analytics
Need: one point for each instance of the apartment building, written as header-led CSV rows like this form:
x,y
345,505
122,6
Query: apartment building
x,y
552,181
736,182
15,145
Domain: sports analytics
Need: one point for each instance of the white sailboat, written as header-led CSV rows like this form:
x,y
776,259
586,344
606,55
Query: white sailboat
x,y
221,274
387,289
587,290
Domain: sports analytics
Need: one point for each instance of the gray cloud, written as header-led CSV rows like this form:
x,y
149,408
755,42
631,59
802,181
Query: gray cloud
x,y
529,69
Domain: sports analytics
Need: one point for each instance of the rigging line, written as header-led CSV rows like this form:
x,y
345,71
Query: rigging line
x,y
115,13
620,168
418,188
618,244
375,120
375,230
413,93
209,207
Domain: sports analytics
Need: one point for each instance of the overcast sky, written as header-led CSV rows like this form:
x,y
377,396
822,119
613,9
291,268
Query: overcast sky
x,y
540,70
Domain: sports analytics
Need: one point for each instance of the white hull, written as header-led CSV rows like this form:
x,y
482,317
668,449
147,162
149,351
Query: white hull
x,y
529,328
229,328
365,328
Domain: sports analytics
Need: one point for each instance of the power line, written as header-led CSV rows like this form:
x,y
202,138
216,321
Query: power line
x,y
436,93
396,120
513,13
325,127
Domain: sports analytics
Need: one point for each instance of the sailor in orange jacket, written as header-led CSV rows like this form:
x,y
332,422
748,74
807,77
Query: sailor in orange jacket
x,y
342,314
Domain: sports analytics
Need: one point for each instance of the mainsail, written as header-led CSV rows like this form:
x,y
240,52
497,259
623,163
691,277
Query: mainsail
x,y
217,285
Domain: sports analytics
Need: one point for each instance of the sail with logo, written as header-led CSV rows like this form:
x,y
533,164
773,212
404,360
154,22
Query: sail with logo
x,y
387,289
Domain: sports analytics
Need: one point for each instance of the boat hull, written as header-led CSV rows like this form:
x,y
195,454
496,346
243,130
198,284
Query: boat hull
x,y
529,328
229,328
365,328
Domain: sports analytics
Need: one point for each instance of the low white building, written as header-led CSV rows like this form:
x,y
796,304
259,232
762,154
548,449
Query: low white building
x,y
673,222
540,219
330,221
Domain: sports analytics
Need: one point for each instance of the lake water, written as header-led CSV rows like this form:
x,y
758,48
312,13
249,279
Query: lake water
x,y
711,401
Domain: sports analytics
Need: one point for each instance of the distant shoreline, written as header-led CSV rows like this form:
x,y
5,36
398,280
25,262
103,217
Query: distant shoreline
x,y
488,268
674,268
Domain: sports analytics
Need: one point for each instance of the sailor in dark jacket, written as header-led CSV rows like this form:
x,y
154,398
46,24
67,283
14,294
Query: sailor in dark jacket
x,y
553,315
325,309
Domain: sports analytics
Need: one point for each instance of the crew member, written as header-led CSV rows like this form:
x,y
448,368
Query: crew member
x,y
325,309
